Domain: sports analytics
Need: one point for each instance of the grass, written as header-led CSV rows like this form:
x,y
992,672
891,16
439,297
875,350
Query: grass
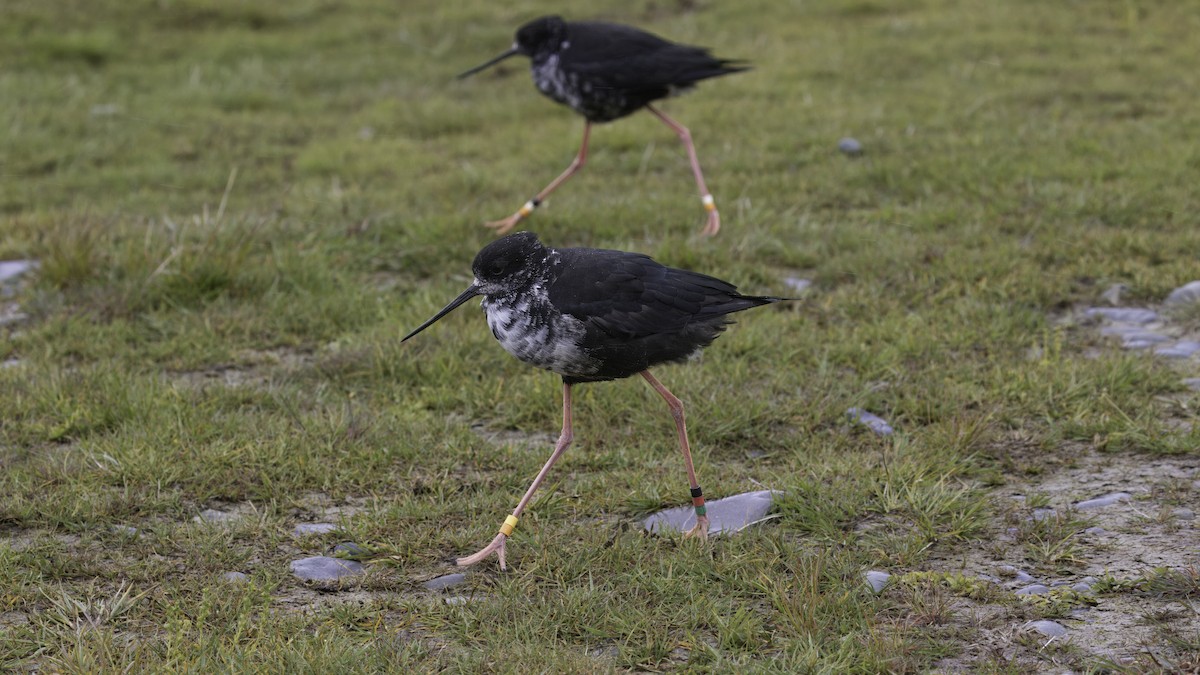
x,y
239,208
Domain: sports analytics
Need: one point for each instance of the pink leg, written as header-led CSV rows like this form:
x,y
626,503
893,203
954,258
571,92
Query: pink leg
x,y
701,528
564,440
714,218
502,226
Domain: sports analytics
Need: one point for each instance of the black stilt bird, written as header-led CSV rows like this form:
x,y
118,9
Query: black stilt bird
x,y
593,315
605,71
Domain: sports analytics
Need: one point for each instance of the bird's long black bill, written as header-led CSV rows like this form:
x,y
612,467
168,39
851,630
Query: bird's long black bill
x,y
489,64
471,292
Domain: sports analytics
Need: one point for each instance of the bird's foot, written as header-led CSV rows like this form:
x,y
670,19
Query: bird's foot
x,y
699,530
502,226
713,225
497,547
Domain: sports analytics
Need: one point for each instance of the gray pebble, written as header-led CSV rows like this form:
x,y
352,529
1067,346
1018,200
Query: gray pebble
x,y
1192,383
1082,587
1186,294
870,420
1113,295
1096,531
1184,514
235,577
349,550
877,579
215,517
1123,314
456,600
1042,514
797,284
1183,349
1105,500
1015,573
306,529
445,581
850,146
324,568
1058,584
10,270
1047,628
1032,589
729,514
127,530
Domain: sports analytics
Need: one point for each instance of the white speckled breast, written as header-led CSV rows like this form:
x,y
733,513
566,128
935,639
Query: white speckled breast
x,y
528,328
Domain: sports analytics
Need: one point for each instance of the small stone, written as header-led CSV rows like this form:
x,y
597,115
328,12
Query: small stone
x,y
1047,628
1184,514
215,517
1082,587
1186,294
127,530
870,420
1123,314
348,550
10,270
797,284
1032,589
730,514
1096,531
235,577
1042,514
1192,383
877,579
456,600
1105,500
1058,584
445,581
850,146
307,529
1183,349
1113,295
324,568
1015,573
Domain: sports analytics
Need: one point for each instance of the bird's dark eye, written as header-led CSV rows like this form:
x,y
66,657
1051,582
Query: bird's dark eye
x,y
496,267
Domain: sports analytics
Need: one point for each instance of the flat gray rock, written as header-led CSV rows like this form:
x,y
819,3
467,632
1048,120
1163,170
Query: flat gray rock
x,y
308,529
10,270
324,568
1016,573
1184,514
797,284
870,420
724,515
1082,587
1192,383
1186,294
1183,349
1122,314
1106,500
215,517
850,146
876,579
235,577
350,551
445,581
1042,514
1047,628
1032,589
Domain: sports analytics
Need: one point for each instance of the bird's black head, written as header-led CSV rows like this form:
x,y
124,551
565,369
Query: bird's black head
x,y
535,39
508,264
504,266
543,35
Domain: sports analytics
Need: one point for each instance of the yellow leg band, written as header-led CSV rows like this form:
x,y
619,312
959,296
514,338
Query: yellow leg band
x,y
527,209
709,203
509,523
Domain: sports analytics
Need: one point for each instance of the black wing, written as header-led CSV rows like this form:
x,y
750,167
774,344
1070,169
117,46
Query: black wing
x,y
624,57
629,296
